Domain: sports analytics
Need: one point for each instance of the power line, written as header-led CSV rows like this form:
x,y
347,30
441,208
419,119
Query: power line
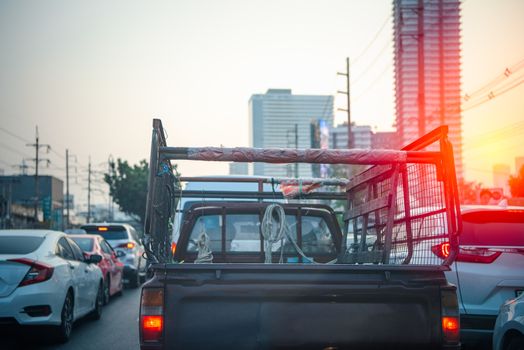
x,y
508,72
359,56
492,95
371,64
14,135
379,77
13,150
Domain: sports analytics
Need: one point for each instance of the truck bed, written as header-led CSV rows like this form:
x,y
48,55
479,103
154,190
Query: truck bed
x,y
255,306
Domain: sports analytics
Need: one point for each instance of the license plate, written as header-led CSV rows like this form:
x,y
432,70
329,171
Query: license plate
x,y
518,292
125,280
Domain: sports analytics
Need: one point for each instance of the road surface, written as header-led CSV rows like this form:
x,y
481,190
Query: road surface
x,y
116,330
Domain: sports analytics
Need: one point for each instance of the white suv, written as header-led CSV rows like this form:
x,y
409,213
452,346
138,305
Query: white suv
x,y
489,268
123,238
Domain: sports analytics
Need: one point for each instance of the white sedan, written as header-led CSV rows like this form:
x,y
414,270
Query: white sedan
x,y
45,280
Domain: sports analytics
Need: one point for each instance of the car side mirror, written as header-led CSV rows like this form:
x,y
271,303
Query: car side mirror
x,y
120,254
94,259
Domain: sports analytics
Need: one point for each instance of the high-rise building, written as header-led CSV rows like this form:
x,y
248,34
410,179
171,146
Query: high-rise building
x,y
238,168
427,70
385,140
362,134
501,174
279,119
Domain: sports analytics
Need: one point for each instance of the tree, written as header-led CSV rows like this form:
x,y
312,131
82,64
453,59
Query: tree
x,y
128,186
468,191
516,183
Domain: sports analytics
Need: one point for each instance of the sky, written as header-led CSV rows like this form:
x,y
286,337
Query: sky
x,y
93,74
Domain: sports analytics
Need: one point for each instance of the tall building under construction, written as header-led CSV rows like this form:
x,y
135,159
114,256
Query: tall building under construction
x,y
427,69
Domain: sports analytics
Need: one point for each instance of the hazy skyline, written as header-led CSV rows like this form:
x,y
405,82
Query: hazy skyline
x,y
92,75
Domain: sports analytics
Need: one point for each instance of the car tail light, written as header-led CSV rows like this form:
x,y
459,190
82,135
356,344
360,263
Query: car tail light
x,y
128,245
39,272
173,248
152,314
450,315
441,250
477,255
468,254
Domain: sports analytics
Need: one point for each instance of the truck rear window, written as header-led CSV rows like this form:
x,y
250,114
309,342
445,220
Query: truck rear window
x,y
493,228
242,234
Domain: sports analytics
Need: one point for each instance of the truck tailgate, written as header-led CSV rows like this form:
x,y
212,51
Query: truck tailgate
x,y
250,306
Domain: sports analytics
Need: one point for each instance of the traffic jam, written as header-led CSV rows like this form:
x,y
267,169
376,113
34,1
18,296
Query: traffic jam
x,y
326,175
50,279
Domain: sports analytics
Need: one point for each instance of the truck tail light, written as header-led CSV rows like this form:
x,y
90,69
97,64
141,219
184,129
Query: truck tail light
x,y
468,254
39,272
152,315
450,315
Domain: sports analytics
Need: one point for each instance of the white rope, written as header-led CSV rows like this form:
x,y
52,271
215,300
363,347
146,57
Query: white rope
x,y
270,233
204,252
281,233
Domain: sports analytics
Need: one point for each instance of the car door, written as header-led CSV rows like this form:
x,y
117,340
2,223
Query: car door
x,y
116,266
90,279
77,275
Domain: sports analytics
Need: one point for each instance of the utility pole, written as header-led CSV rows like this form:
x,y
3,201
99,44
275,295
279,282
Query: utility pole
x,y
67,188
110,161
421,71
37,160
348,95
89,191
68,195
296,147
22,167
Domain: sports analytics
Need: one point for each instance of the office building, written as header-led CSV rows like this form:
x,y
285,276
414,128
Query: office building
x,y
385,140
362,134
238,168
279,119
427,70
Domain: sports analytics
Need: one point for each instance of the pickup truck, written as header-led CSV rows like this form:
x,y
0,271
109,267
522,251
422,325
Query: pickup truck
x,y
233,282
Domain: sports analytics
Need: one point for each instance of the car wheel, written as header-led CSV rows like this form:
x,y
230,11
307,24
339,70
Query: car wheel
x,y
516,343
107,285
134,281
96,314
63,331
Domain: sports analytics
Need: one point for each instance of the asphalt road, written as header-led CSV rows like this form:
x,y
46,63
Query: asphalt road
x,y
117,329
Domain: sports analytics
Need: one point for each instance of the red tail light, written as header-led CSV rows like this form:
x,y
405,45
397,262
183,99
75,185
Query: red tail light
x,y
128,245
441,250
467,254
152,314
477,255
450,315
451,329
152,327
39,272
173,248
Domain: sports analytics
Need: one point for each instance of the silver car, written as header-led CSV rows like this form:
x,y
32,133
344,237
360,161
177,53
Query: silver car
x,y
509,328
123,238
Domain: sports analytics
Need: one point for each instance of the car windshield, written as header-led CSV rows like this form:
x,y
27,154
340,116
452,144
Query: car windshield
x,y
85,243
493,228
112,232
19,244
